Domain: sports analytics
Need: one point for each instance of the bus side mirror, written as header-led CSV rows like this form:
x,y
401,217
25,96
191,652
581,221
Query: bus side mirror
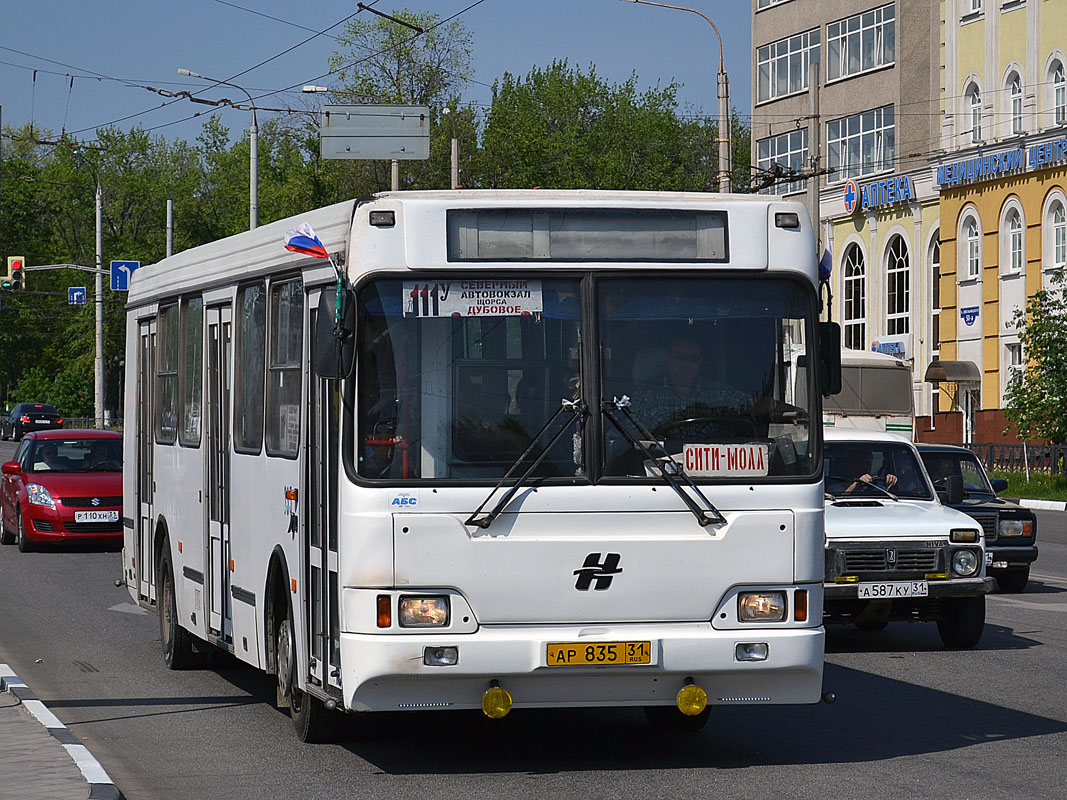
x,y
333,346
830,358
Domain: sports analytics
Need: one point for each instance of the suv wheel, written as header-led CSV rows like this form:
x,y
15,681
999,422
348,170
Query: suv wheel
x,y
961,627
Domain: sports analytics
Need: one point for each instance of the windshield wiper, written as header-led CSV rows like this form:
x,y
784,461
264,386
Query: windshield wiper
x,y
577,408
670,470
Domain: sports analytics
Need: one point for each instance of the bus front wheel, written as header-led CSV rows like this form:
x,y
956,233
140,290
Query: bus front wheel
x,y
308,713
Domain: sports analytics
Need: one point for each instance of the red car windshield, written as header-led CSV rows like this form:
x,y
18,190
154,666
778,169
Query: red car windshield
x,y
76,455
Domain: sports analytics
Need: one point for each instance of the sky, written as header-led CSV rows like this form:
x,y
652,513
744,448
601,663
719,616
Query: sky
x,y
113,49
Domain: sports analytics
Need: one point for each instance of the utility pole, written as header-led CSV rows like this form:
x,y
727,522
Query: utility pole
x,y
98,362
814,153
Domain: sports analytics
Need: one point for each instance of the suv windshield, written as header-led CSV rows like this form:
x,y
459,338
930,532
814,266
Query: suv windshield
x,y
869,469
942,466
456,376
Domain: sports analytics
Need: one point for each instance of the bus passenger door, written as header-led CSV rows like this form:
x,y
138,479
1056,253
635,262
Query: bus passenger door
x,y
320,525
146,374
219,378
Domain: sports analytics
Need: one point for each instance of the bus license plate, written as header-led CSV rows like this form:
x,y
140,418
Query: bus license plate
x,y
878,591
96,516
569,654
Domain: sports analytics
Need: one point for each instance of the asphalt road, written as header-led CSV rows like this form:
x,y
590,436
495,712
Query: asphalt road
x,y
912,720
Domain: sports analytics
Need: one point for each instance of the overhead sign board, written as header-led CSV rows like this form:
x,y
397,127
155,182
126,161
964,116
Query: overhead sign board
x,y
120,274
375,132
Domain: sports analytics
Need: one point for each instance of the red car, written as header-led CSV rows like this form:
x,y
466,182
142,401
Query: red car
x,y
63,486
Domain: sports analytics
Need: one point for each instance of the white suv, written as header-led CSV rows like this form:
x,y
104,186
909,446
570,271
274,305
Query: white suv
x,y
893,551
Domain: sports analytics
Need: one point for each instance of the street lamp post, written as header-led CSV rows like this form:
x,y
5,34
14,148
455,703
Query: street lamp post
x,y
455,147
253,155
724,98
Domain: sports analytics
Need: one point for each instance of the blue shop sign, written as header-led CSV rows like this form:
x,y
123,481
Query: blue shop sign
x,y
986,166
895,189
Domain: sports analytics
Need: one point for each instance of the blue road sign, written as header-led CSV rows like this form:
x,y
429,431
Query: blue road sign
x,y
120,274
76,295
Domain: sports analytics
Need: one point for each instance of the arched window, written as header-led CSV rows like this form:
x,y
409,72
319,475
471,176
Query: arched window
x,y
855,299
1059,236
935,297
1059,93
898,273
1015,93
969,245
1012,255
975,101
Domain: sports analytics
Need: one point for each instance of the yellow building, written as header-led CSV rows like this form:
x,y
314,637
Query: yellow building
x,y
1002,177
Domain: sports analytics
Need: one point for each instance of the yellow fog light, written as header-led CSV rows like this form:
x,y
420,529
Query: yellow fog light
x,y
691,699
496,702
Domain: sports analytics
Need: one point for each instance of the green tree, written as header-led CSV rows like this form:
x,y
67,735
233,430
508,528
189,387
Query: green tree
x,y
1036,397
561,127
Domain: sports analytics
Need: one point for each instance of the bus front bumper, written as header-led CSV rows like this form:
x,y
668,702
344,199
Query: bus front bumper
x,y
388,673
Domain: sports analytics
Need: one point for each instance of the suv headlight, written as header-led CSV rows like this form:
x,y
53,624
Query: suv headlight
x,y
39,496
1015,527
965,563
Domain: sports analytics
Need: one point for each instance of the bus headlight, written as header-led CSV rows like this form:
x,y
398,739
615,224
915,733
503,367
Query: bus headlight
x,y
39,496
423,612
1015,527
965,563
761,606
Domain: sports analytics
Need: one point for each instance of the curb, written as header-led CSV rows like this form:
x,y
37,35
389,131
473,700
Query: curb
x,y
101,787
1044,505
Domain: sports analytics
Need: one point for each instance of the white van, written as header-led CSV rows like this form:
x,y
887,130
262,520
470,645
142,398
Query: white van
x,y
876,395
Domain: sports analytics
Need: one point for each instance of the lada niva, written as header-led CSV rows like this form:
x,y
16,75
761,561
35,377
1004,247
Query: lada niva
x,y
894,552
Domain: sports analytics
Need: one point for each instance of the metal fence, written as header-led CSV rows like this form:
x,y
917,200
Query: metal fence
x,y
90,422
1051,459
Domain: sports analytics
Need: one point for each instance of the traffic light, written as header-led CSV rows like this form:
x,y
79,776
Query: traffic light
x,y
15,266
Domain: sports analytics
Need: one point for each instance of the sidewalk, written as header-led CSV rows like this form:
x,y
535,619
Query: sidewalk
x,y
40,759
1043,505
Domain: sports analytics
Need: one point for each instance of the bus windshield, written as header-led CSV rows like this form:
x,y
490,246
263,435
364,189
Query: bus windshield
x,y
457,376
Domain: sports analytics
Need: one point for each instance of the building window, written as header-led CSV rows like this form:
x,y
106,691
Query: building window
x,y
861,144
898,275
935,298
1059,94
855,299
783,65
768,3
970,249
790,150
1015,92
1059,236
1013,364
857,44
975,100
972,7
1012,260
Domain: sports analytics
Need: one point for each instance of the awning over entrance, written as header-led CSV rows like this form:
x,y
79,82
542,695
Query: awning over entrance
x,y
952,372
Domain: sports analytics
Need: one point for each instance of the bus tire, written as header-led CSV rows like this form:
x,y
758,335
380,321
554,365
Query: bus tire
x,y
961,627
176,641
308,713
668,719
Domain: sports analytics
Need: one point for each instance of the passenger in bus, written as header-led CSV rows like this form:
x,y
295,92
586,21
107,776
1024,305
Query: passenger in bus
x,y
680,391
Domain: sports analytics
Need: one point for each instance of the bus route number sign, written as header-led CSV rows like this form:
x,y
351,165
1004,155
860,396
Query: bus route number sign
x,y
472,298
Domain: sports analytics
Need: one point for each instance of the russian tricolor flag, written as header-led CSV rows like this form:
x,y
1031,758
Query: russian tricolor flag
x,y
305,240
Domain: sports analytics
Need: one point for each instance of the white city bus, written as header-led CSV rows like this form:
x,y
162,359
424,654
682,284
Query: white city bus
x,y
470,479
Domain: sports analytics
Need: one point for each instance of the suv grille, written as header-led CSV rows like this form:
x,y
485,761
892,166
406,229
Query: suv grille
x,y
907,560
989,525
